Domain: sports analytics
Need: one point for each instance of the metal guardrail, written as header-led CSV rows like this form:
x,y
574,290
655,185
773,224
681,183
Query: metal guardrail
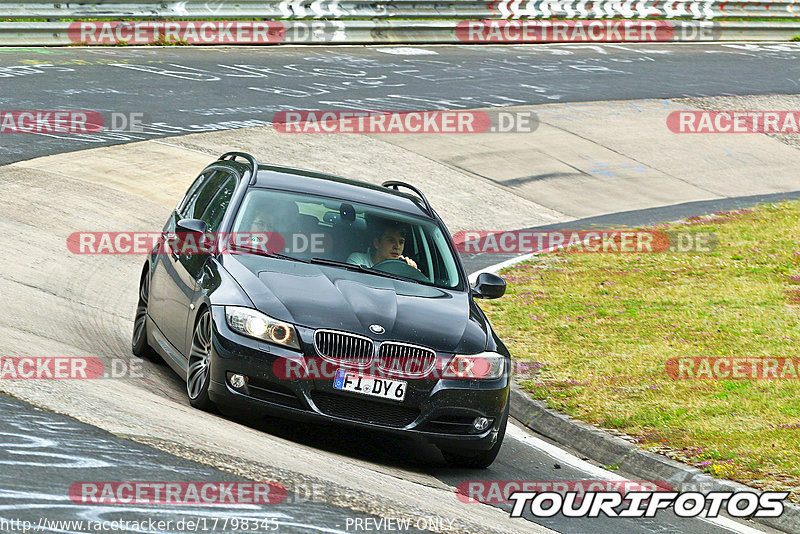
x,y
409,21
406,9
286,9
409,32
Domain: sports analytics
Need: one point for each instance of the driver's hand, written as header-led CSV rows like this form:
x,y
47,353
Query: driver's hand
x,y
409,261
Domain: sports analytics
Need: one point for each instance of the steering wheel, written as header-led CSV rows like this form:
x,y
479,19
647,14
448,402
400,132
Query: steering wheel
x,y
400,268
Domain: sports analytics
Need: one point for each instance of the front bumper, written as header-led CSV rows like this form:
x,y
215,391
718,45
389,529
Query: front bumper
x,y
438,411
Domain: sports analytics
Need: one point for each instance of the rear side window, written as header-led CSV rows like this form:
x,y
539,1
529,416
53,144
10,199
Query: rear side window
x,y
201,194
219,204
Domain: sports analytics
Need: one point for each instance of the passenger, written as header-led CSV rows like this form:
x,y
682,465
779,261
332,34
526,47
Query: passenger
x,y
387,244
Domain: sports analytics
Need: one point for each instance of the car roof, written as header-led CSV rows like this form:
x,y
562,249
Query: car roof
x,y
323,184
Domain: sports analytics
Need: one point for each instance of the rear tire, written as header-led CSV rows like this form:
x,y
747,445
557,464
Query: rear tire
x,y
139,345
481,459
198,373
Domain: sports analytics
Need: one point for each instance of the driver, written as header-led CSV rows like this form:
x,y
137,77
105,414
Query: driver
x,y
262,223
388,244
259,229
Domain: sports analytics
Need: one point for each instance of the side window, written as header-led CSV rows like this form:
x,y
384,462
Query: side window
x,y
421,252
200,197
191,193
444,265
219,204
437,268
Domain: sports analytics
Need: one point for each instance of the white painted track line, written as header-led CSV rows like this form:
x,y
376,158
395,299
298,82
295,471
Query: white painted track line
x,y
517,433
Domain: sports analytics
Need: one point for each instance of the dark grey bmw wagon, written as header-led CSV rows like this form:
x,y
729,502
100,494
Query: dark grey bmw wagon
x,y
358,312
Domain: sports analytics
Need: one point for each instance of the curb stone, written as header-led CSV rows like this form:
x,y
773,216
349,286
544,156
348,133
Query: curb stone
x,y
608,450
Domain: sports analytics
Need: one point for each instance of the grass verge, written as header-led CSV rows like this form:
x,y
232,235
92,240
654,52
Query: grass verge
x,y
596,331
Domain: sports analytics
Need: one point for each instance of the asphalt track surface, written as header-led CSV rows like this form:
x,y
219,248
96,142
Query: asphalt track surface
x,y
181,91
43,455
187,90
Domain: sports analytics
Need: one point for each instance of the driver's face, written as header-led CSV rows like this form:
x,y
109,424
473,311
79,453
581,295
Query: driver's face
x,y
262,223
389,246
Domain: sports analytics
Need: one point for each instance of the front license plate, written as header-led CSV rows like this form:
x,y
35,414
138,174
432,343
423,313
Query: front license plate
x,y
370,385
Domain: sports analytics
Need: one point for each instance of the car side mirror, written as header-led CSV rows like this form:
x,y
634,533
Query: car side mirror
x,y
489,286
191,226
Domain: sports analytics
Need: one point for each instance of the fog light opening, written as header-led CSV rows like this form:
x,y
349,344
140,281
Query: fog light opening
x,y
238,381
481,423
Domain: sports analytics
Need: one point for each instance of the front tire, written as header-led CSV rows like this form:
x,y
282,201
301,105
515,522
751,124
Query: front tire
x,y
139,345
198,373
482,459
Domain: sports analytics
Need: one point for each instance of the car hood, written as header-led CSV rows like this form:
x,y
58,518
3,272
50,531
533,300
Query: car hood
x,y
319,296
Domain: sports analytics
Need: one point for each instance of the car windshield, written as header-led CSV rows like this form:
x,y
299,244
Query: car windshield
x,y
347,235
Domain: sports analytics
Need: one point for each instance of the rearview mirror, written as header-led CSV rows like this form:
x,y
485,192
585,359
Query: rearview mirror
x,y
489,286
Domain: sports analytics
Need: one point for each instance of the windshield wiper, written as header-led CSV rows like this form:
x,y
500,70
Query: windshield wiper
x,y
262,252
284,257
355,267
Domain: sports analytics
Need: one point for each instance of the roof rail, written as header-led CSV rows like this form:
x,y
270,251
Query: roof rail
x,y
252,160
394,184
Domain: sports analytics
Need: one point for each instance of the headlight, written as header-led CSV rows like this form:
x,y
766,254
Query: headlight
x,y
255,324
483,366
